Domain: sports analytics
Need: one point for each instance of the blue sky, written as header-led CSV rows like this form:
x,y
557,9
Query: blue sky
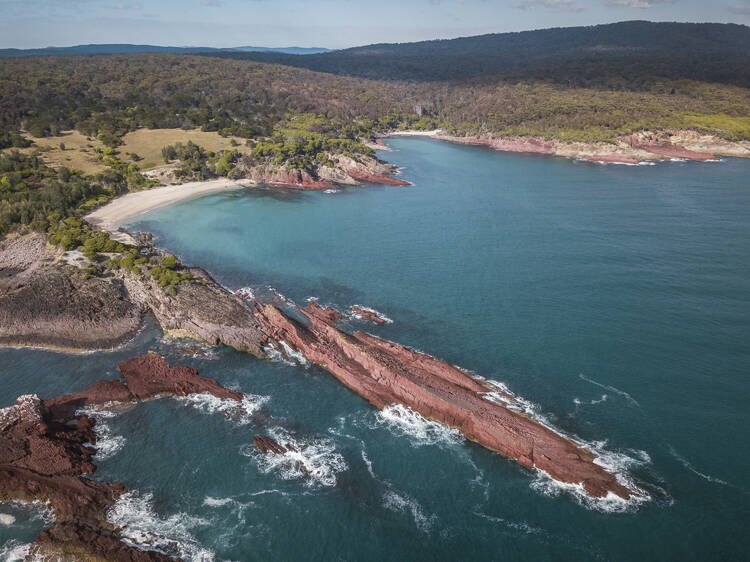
x,y
322,23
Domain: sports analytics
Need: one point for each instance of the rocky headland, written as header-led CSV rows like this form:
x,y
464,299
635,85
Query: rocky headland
x,y
47,449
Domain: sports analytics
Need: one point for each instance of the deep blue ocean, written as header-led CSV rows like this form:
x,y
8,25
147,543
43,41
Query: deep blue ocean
x,y
615,299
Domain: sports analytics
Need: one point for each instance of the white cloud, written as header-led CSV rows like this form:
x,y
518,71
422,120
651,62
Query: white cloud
x,y
643,4
560,5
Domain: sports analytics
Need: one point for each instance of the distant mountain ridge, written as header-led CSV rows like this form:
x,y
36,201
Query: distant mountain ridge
x,y
126,48
706,52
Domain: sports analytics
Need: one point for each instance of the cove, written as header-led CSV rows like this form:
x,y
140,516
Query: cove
x,y
613,298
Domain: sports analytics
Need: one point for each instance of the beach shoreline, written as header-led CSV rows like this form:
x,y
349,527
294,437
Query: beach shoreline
x,y
111,216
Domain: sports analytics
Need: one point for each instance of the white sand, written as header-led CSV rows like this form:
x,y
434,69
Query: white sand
x,y
434,133
113,214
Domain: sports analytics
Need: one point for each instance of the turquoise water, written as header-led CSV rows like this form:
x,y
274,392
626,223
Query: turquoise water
x,y
613,298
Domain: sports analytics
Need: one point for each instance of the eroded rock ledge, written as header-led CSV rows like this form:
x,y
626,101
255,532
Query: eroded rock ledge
x,y
385,373
45,454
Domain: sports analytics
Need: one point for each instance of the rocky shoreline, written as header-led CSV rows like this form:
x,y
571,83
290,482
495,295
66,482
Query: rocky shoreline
x,y
638,148
47,449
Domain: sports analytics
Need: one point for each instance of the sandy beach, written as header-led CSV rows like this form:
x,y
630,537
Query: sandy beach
x,y
111,216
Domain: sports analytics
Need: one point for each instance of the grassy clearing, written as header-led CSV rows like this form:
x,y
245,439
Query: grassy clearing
x,y
78,152
147,144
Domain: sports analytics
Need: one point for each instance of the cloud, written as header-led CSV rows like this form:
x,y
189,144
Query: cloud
x,y
212,3
643,4
743,10
559,5
133,6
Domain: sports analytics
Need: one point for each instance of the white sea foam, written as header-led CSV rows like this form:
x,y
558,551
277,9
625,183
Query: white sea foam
x,y
133,513
405,504
287,355
314,459
107,443
694,470
513,525
241,412
577,401
616,390
331,191
217,502
247,293
403,421
14,551
368,463
7,519
294,355
617,463
357,316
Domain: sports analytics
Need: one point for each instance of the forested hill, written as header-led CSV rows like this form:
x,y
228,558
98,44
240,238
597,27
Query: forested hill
x,y
706,52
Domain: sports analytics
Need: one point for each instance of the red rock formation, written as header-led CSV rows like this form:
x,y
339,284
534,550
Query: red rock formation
x,y
150,375
666,148
369,314
268,446
43,456
324,313
385,373
363,175
611,159
531,145
290,178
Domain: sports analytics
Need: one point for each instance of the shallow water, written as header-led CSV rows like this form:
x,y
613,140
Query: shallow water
x,y
613,298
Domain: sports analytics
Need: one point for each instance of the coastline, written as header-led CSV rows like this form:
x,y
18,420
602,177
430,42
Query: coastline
x,y
110,217
642,148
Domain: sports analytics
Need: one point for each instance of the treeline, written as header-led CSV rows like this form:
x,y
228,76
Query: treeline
x,y
108,96
35,195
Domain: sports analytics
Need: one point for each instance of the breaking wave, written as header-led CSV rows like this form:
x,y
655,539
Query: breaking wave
x,y
314,459
405,504
133,513
357,316
107,443
241,412
14,551
617,463
403,421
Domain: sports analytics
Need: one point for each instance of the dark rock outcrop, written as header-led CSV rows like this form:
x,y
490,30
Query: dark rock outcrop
x,y
45,452
387,373
59,308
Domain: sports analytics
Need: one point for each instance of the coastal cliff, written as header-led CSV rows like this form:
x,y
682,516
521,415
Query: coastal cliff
x,y
46,455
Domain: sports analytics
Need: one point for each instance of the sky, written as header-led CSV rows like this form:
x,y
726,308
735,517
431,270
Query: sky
x,y
322,23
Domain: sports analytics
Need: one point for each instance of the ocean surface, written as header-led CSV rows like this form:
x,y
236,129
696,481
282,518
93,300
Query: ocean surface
x,y
615,299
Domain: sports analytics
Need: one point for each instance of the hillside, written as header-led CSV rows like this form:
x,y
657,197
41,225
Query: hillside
x,y
586,55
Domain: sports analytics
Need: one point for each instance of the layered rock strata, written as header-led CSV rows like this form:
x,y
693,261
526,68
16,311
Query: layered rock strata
x,y
386,373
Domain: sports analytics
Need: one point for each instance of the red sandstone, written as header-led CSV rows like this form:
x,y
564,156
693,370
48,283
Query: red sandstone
x,y
666,148
368,314
44,456
611,159
385,373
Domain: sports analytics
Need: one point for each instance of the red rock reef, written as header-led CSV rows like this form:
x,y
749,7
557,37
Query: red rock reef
x,y
387,373
45,454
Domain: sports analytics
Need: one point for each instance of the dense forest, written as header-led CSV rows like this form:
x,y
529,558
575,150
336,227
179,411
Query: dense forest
x,y
575,84
625,52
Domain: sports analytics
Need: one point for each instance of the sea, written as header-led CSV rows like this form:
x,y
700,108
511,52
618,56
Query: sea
x,y
615,300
